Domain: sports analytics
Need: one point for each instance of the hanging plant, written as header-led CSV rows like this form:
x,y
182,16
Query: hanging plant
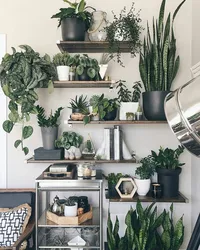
x,y
20,74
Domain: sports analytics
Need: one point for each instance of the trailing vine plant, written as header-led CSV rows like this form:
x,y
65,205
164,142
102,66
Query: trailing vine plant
x,y
20,74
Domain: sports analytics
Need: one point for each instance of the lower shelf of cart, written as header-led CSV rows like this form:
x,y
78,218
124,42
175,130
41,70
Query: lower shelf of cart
x,y
68,247
94,222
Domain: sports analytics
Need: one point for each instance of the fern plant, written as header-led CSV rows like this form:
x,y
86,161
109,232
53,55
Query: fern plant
x,y
51,121
158,62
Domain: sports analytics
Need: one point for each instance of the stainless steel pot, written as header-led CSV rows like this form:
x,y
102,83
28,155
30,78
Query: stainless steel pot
x,y
182,109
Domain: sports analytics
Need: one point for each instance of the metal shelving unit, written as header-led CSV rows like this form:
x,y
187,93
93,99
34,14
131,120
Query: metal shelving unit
x,y
52,236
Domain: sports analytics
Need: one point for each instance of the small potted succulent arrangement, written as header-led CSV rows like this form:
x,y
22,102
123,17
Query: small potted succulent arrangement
x,y
49,126
159,63
105,108
62,62
168,169
71,142
129,102
143,175
74,20
71,208
79,107
87,68
88,150
113,179
125,27
19,84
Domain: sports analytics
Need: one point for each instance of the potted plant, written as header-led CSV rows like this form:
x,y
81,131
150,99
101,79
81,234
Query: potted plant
x,y
49,126
71,208
127,28
113,179
89,150
21,73
71,142
129,102
74,20
62,62
79,107
103,65
87,68
168,169
158,64
144,173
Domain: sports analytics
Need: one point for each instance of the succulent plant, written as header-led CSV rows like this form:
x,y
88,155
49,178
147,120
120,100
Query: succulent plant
x,y
79,103
63,59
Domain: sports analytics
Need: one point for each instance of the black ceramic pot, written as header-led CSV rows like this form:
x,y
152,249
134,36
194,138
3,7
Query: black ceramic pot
x,y
111,115
84,76
73,29
153,105
112,190
169,179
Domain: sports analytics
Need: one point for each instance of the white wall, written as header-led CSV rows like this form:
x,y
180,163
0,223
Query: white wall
x,y
28,22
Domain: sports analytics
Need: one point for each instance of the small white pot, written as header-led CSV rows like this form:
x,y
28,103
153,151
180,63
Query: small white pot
x,y
143,186
63,73
71,211
127,107
103,69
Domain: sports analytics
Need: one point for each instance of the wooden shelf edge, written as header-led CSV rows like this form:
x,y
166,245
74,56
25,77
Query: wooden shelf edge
x,y
84,84
180,199
32,160
118,122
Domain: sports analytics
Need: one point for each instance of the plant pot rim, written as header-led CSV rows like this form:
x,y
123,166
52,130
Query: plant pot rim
x,y
154,91
138,179
165,171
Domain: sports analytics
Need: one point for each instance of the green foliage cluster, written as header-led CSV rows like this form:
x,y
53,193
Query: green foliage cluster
x,y
20,74
147,169
63,59
142,230
127,28
79,103
167,158
158,62
51,121
76,10
69,203
125,95
113,178
68,139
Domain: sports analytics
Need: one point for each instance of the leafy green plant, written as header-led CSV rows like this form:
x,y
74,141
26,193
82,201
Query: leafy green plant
x,y
20,74
158,62
113,233
127,28
167,158
69,139
125,95
106,58
147,169
113,178
70,203
90,65
63,59
51,121
79,103
77,10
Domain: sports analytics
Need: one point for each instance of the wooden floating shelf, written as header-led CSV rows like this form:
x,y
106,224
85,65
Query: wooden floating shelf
x,y
32,160
180,199
83,84
89,47
118,122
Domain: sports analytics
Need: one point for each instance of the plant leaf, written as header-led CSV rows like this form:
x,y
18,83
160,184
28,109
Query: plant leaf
x,y
17,143
26,150
27,132
8,126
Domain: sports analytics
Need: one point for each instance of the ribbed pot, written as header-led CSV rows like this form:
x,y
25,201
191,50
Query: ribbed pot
x,y
153,105
73,29
49,135
169,179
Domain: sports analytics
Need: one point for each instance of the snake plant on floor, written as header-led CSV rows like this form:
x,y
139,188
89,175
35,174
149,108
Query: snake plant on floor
x,y
158,61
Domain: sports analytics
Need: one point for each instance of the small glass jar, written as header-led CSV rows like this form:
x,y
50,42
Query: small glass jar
x,y
87,170
80,170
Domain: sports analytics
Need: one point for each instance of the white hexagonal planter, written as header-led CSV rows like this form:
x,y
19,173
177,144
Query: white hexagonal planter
x,y
131,192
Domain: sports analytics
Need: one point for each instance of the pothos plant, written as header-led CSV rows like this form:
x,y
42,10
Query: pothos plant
x,y
20,74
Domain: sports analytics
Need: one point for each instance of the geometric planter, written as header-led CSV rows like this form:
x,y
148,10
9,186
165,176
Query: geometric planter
x,y
169,180
130,192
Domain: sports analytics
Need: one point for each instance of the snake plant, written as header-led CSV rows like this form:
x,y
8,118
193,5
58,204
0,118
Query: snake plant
x,y
158,61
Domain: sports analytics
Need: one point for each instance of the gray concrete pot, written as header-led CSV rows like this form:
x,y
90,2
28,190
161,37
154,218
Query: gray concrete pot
x,y
49,135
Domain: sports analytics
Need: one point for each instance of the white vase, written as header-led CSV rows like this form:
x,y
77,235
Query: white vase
x,y
63,73
143,186
102,70
127,107
71,211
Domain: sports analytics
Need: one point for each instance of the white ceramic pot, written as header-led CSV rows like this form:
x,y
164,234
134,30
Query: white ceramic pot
x,y
127,107
143,186
63,73
71,211
102,70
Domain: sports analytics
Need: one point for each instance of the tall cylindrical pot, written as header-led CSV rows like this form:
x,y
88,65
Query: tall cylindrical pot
x,y
49,135
153,105
73,29
169,179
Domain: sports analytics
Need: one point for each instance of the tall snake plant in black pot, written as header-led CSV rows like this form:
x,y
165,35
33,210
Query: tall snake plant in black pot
x,y
159,64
